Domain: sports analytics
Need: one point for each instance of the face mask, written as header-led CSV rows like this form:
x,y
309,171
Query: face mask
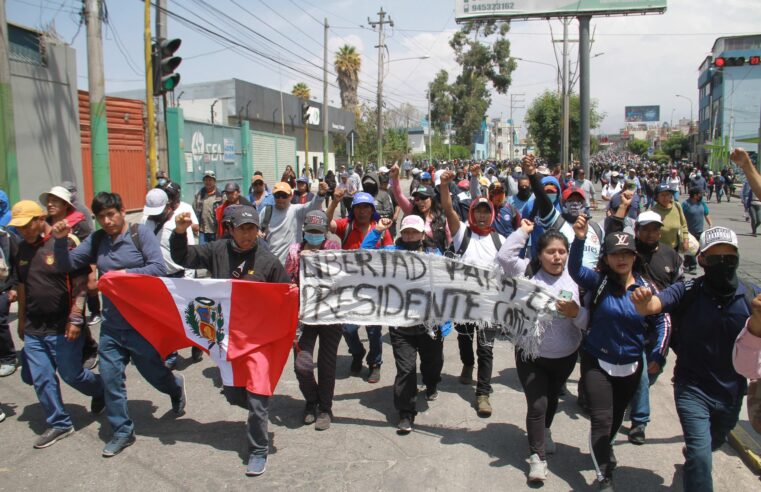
x,y
552,197
162,182
698,175
721,279
524,193
314,239
411,245
573,209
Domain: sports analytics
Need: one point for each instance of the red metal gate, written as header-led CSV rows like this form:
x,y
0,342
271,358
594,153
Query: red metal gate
x,y
126,149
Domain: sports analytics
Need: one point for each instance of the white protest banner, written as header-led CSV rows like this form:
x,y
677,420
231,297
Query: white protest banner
x,y
401,288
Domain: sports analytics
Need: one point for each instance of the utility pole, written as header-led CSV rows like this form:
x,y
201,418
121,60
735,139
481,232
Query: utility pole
x,y
101,172
584,96
325,109
151,123
8,162
381,46
565,138
161,33
514,99
430,129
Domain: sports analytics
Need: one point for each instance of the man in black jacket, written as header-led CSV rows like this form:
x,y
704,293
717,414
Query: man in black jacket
x,y
237,257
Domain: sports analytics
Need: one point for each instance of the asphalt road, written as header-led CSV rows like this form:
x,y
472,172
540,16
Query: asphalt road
x,y
450,449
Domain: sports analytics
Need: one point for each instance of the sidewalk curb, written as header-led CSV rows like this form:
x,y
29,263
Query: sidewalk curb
x,y
748,448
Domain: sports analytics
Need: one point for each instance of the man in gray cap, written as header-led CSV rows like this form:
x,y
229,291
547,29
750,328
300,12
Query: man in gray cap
x,y
237,257
205,204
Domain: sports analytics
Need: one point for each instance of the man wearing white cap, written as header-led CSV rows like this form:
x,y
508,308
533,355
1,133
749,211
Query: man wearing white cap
x,y
665,268
708,313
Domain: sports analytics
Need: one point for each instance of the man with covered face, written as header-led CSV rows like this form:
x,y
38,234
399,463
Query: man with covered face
x,y
476,242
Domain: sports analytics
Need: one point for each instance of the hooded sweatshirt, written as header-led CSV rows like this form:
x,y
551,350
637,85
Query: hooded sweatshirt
x,y
5,209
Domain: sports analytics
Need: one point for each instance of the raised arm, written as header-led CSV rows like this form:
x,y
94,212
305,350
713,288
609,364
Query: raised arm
x,y
70,260
198,256
583,276
508,256
453,220
396,189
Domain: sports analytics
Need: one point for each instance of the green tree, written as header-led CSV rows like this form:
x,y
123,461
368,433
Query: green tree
x,y
543,120
676,146
638,147
301,90
347,64
483,52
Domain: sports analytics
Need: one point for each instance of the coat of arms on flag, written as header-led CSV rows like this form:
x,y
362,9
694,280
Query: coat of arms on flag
x,y
204,317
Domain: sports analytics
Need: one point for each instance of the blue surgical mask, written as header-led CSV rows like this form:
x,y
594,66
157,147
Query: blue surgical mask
x,y
552,197
314,239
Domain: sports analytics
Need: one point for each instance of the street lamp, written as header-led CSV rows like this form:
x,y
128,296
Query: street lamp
x,y
424,57
685,97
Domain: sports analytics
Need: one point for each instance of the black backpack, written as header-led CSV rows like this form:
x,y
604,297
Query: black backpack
x,y
267,218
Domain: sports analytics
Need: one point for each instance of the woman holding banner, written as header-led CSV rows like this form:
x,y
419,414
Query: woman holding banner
x,y
611,355
318,395
410,341
543,378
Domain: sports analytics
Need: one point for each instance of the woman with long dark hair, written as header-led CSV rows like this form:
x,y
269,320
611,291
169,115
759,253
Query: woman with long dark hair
x,y
542,378
611,354
289,176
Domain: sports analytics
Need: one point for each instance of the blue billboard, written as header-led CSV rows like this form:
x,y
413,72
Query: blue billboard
x,y
635,114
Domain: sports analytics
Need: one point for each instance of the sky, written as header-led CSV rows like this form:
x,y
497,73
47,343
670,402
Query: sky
x,y
637,60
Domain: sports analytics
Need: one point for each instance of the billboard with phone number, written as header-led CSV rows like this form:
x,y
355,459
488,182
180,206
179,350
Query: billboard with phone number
x,y
466,10
636,114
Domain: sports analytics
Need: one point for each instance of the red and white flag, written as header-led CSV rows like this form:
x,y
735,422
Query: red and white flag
x,y
247,328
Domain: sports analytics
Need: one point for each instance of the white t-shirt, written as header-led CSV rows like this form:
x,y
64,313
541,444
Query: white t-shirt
x,y
481,249
166,232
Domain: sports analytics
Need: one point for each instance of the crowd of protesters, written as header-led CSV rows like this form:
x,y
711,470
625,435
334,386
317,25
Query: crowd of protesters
x,y
624,301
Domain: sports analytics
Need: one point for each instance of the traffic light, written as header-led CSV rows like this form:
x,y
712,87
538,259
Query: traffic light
x,y
735,61
304,112
164,65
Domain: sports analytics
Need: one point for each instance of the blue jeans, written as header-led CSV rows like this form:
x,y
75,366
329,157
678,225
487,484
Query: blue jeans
x,y
351,335
640,405
117,348
705,425
42,356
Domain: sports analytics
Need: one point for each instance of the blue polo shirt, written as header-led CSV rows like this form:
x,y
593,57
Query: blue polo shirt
x,y
117,254
705,339
694,213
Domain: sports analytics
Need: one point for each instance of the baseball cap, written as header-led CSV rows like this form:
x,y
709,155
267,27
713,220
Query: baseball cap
x,y
316,220
517,169
543,170
24,211
415,171
344,175
58,191
663,187
619,241
256,178
463,184
155,202
282,187
425,175
614,174
573,190
413,222
230,187
383,169
210,174
303,179
244,214
649,217
717,235
423,190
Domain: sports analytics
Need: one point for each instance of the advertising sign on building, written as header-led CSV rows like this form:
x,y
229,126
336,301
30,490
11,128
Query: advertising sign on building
x,y
636,114
466,10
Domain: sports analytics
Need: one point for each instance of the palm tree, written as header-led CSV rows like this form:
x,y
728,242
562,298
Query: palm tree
x,y
301,90
347,64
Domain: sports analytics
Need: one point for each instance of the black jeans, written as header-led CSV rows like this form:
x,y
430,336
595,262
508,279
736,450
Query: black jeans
x,y
258,411
7,349
465,335
542,380
406,347
317,392
607,397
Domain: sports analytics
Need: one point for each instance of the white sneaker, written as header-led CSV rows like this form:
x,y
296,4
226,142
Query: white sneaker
x,y
538,471
2,415
549,445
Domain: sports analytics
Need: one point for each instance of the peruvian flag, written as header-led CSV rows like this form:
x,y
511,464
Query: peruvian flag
x,y
247,328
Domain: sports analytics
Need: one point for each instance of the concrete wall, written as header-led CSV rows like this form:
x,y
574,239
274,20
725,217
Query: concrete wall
x,y
46,119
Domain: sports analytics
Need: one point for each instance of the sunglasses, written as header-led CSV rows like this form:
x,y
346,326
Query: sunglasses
x,y
282,196
729,261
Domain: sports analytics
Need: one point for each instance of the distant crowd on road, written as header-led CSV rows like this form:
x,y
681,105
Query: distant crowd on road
x,y
624,301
